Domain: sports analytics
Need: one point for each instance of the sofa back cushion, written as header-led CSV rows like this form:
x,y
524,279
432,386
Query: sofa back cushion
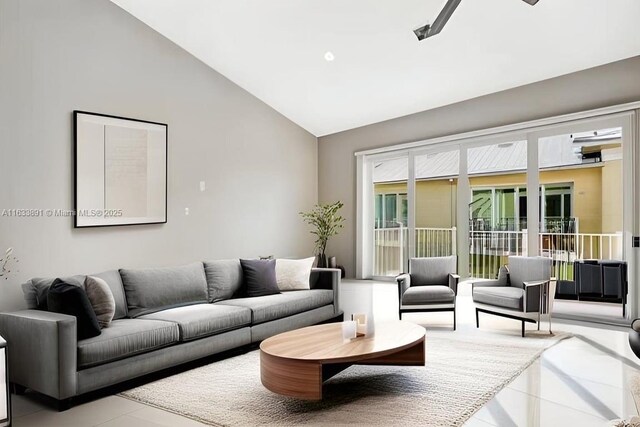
x,y
432,271
35,290
224,278
154,289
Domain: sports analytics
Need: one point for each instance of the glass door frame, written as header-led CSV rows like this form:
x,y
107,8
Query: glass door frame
x,y
625,116
627,122
365,227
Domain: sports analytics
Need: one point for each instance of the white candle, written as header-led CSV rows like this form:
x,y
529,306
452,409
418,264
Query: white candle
x,y
348,329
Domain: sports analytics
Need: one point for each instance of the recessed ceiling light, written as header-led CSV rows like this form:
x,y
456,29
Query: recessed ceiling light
x,y
328,56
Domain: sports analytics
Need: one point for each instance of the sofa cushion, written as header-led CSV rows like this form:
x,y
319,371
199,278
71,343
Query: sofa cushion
x,y
224,278
35,290
294,274
499,296
271,307
259,277
72,300
431,294
126,338
201,320
101,299
113,279
154,289
431,271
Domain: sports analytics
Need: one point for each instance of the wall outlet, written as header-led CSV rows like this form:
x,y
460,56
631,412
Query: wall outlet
x,y
186,211
203,186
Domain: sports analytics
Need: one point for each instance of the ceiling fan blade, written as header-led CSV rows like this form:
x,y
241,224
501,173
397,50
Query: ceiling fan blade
x,y
531,2
439,23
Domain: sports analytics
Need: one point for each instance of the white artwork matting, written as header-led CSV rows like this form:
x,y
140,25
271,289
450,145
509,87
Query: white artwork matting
x,y
120,171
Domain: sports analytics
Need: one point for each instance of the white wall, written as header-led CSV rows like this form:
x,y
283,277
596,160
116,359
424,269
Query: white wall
x,y
611,84
57,56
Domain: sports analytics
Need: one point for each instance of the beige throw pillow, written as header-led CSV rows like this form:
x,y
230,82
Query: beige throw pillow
x,y
101,299
293,274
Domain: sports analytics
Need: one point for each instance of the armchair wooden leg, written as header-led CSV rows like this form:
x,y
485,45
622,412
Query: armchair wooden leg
x,y
400,314
454,319
523,328
477,318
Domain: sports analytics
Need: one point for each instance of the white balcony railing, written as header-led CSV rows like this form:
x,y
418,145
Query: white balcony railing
x,y
488,250
391,247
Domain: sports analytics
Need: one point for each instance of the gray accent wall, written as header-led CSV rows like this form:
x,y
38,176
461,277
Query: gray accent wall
x,y
603,86
58,56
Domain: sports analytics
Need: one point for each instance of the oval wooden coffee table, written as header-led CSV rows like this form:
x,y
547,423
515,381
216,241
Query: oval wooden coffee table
x,y
296,363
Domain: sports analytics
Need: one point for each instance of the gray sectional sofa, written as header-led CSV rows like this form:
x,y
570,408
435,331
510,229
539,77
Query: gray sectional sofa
x,y
164,317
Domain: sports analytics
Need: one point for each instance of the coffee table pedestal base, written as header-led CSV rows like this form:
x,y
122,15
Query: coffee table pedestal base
x,y
303,379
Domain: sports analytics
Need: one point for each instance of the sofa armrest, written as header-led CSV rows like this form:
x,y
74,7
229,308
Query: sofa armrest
x,y
328,278
453,282
42,349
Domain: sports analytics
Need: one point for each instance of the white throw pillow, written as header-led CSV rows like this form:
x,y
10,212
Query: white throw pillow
x,y
293,274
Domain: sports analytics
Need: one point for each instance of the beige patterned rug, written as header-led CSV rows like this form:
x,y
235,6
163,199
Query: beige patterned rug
x,y
462,373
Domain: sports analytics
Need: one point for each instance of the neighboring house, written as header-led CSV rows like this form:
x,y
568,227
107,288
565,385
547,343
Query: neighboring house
x,y
580,189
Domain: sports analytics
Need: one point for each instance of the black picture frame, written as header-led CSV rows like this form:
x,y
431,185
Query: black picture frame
x,y
101,216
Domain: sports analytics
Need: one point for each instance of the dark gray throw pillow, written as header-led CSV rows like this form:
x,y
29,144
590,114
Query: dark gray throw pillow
x,y
259,277
68,299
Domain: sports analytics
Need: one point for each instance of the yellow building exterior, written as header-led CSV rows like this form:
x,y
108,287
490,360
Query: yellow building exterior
x,y
596,195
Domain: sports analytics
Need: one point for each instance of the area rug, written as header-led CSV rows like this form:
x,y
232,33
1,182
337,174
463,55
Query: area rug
x,y
462,373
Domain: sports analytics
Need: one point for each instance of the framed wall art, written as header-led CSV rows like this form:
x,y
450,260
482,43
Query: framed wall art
x,y
120,171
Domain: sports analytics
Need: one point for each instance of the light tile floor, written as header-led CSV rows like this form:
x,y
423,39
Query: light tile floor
x,y
581,381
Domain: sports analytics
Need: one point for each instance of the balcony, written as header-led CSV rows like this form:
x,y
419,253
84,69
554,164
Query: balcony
x,y
488,250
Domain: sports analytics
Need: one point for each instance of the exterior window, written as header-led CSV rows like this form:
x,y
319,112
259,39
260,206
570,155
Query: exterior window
x,y
391,209
505,209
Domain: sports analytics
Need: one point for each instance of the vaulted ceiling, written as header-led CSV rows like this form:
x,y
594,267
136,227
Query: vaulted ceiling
x,y
275,49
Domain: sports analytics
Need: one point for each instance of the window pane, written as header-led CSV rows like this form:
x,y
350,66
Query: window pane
x,y
378,207
495,231
390,252
436,203
581,186
481,209
404,209
390,210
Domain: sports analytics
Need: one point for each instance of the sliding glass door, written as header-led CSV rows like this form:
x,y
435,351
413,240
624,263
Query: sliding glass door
x,y
582,216
554,191
391,216
498,205
436,203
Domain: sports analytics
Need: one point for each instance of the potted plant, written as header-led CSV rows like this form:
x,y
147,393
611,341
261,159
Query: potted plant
x,y
327,222
5,263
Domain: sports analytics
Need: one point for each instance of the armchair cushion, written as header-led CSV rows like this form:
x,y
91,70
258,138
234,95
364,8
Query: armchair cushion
x,y
423,295
499,296
431,271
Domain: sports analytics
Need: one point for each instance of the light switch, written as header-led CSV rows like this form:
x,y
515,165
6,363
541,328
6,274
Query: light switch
x,y
186,211
202,186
